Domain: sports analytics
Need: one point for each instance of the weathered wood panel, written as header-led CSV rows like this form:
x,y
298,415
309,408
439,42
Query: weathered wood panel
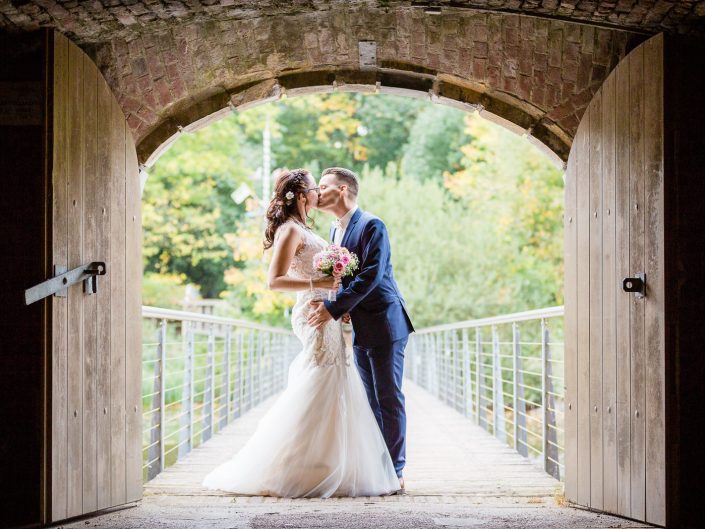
x,y
104,174
636,264
595,302
623,406
583,310
571,324
620,349
133,321
96,444
60,205
609,291
91,217
117,307
74,149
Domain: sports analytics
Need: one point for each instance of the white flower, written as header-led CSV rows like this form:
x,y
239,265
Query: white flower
x,y
289,195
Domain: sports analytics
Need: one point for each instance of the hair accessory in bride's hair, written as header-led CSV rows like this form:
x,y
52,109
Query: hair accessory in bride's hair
x,y
289,195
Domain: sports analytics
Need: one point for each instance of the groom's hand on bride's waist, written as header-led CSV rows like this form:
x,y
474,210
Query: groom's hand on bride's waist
x,y
319,314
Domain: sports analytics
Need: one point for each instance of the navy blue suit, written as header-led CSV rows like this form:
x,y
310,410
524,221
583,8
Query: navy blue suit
x,y
381,327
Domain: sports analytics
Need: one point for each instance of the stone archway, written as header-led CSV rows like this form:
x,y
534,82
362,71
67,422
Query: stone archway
x,y
536,75
173,67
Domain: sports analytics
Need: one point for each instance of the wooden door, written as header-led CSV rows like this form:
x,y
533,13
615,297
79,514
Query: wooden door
x,y
615,343
94,379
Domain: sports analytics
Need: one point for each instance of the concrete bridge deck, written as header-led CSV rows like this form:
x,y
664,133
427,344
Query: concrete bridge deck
x,y
457,475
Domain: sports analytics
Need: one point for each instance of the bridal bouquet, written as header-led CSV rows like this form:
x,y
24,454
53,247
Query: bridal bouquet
x,y
335,260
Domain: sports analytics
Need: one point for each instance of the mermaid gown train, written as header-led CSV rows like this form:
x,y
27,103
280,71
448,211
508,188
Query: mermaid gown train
x,y
320,438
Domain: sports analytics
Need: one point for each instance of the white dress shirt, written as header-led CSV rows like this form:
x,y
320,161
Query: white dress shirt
x,y
343,223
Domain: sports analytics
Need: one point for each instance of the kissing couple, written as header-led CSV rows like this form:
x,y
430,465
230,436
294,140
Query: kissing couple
x,y
339,427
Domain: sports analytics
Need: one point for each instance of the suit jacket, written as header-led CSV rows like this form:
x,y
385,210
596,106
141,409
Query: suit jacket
x,y
371,295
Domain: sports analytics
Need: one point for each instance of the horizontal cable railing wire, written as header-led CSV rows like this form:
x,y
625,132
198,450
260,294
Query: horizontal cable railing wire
x,y
503,372
199,373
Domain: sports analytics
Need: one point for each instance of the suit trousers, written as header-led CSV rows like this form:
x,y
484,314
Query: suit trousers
x,y
382,370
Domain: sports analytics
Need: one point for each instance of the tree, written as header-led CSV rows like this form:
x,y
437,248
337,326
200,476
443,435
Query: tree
x,y
187,207
248,295
434,143
386,124
508,181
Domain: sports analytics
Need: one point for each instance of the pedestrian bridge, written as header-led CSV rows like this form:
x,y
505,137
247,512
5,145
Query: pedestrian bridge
x,y
484,444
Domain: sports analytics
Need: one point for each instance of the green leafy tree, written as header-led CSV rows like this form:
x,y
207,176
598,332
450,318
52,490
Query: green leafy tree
x,y
508,182
386,124
434,143
187,207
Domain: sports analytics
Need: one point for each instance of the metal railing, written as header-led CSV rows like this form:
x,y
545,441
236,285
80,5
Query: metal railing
x,y
201,371
506,373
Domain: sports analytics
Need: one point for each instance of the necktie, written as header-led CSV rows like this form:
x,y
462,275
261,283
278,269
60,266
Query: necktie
x,y
338,231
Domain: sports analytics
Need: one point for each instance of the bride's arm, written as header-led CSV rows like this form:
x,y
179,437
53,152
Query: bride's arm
x,y
285,245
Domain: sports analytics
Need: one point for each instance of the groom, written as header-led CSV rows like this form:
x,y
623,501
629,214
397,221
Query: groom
x,y
371,297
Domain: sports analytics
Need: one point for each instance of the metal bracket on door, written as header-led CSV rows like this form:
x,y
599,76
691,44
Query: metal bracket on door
x,y
636,284
59,284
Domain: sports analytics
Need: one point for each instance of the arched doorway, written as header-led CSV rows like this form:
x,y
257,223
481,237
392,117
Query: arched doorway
x,y
166,125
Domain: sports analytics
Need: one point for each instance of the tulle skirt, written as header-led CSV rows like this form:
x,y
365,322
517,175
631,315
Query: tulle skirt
x,y
319,439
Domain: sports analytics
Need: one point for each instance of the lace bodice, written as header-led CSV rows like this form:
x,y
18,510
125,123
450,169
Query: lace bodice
x,y
325,347
302,263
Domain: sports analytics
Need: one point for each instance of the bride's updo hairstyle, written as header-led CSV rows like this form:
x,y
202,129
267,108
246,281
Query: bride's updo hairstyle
x,y
289,184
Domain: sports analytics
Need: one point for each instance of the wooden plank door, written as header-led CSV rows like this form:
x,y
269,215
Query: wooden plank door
x,y
95,377
615,345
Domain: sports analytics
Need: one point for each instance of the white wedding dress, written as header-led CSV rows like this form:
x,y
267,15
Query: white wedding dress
x,y
320,437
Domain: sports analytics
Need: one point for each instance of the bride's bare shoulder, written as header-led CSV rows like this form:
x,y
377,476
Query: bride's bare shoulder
x,y
287,231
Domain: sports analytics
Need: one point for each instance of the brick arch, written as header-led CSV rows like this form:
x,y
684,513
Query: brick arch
x,y
534,74
451,92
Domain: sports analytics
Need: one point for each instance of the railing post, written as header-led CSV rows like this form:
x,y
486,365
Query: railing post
x,y
228,406
437,367
162,388
153,453
550,434
467,389
430,363
211,378
521,444
240,375
515,387
208,393
457,367
478,379
186,422
543,392
445,383
497,390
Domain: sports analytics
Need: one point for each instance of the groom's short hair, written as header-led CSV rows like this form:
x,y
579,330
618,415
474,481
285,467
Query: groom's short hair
x,y
345,176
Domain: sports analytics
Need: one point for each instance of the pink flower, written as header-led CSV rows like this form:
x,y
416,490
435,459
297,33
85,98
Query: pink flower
x,y
345,259
339,267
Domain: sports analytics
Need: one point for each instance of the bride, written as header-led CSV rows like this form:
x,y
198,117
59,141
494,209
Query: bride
x,y
320,438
